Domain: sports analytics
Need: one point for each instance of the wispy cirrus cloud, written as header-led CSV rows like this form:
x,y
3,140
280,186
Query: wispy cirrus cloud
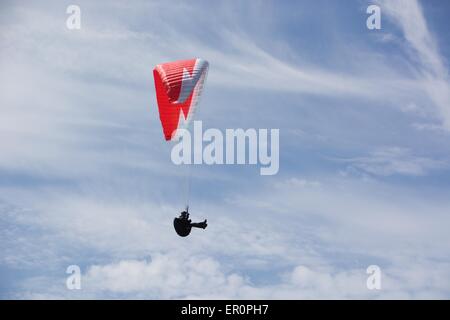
x,y
424,51
395,161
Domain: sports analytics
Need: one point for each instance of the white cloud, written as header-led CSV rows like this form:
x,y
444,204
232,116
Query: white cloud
x,y
170,276
408,14
395,161
312,239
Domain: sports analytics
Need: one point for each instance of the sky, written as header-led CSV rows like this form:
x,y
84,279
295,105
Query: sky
x,y
364,117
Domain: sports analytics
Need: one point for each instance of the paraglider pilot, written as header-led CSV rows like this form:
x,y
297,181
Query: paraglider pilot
x,y
183,224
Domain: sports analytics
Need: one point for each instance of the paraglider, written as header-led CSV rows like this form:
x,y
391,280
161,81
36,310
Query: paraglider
x,y
183,224
179,85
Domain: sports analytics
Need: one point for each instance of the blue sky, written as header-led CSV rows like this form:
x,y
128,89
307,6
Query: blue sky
x,y
364,119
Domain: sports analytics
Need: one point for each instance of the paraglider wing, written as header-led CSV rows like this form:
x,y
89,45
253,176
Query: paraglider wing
x,y
178,87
